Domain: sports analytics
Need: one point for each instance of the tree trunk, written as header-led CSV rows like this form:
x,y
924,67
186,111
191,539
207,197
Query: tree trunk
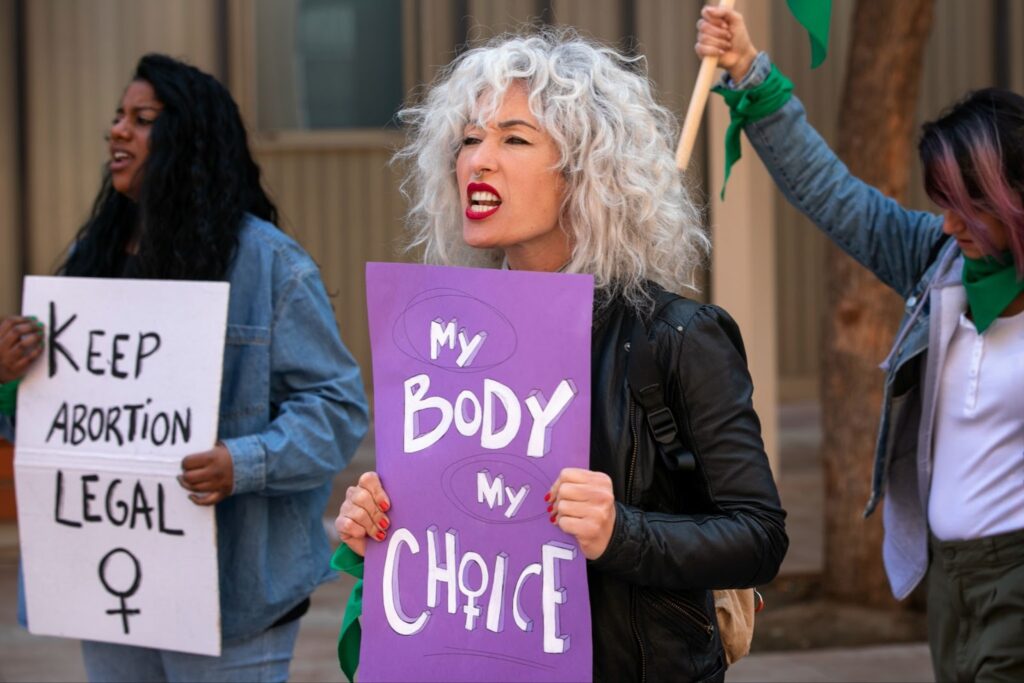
x,y
875,140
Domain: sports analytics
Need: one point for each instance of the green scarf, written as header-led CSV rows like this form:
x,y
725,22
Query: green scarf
x,y
9,397
351,635
747,106
991,286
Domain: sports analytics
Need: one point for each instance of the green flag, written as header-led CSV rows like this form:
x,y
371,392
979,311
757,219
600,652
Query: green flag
x,y
814,15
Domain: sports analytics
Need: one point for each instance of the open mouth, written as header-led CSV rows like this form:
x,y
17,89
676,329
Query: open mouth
x,y
484,200
119,160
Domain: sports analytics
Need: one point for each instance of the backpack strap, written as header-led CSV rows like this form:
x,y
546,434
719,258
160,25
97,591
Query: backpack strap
x,y
645,383
735,607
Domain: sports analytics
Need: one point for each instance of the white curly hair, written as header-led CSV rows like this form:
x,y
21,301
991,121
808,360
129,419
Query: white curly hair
x,y
629,214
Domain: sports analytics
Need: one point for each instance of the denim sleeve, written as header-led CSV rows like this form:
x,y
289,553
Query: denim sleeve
x,y
7,428
319,411
893,242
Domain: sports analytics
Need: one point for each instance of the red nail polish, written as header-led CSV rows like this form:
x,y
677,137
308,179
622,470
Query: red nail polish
x,y
384,506
384,524
547,496
551,508
380,535
553,518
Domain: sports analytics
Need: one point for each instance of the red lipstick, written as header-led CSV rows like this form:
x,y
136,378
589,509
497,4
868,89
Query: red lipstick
x,y
483,201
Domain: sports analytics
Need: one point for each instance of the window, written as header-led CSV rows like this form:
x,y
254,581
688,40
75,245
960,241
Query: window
x,y
328,64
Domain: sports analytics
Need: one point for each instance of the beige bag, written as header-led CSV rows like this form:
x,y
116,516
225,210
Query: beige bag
x,y
735,610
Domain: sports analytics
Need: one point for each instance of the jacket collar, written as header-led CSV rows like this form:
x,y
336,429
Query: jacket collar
x,y
950,268
604,305
946,272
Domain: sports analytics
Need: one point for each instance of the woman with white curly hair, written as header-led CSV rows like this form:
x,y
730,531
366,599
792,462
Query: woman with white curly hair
x,y
547,152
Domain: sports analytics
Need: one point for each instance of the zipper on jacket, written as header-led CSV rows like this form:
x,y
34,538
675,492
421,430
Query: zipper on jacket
x,y
639,641
675,607
629,498
636,450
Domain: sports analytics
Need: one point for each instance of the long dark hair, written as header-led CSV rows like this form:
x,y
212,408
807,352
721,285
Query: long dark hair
x,y
198,181
973,158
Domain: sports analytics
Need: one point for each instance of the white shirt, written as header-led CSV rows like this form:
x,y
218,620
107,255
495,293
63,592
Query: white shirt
x,y
977,486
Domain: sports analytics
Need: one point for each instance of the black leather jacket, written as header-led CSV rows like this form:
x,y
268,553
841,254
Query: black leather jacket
x,y
677,534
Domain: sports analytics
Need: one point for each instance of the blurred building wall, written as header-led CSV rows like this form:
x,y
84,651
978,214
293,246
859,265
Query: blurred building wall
x,y
78,58
10,192
337,193
10,182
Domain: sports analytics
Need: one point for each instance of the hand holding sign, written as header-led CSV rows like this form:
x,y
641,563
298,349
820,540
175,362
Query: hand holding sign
x,y
210,475
21,342
582,503
103,425
482,383
362,513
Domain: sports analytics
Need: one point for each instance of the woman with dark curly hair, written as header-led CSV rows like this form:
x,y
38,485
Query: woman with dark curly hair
x,y
182,200
189,180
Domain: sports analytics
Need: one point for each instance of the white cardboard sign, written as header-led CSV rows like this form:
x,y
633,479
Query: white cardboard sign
x,y
129,383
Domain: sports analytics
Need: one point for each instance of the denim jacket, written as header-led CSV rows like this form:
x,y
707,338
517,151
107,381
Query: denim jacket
x,y
292,411
908,251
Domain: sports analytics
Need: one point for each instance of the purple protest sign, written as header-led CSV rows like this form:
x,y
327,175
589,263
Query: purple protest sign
x,y
482,395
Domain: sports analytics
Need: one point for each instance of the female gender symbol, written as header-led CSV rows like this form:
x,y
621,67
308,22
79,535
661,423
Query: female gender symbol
x,y
124,611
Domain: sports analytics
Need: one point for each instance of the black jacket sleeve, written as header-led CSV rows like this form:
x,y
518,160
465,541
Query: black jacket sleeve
x,y
739,539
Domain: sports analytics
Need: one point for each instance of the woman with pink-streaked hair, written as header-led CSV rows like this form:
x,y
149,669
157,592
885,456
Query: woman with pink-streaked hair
x,y
950,458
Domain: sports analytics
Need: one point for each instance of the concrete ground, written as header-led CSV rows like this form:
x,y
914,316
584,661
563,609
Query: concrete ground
x,y
24,657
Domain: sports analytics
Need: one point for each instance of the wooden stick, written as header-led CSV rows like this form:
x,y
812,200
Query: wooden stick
x,y
695,112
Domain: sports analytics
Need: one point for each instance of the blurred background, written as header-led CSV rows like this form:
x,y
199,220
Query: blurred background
x,y
319,82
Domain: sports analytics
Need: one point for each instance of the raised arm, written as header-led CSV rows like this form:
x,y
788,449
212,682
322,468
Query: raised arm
x,y
895,243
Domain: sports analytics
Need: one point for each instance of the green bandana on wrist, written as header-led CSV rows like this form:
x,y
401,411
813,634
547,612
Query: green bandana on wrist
x,y
991,287
351,635
9,397
747,106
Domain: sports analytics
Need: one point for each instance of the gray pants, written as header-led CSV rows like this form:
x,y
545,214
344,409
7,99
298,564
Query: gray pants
x,y
976,608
